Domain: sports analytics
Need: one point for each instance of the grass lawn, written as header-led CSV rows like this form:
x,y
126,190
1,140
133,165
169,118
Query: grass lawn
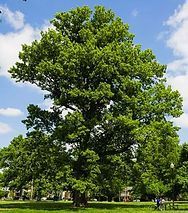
x,y
58,207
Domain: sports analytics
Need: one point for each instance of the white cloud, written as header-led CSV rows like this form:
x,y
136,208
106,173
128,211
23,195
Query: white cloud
x,y
4,128
180,83
162,35
180,65
15,19
47,104
134,13
177,41
11,42
182,121
179,16
10,112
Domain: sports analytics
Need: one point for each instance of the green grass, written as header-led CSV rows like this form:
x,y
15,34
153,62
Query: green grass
x,y
66,207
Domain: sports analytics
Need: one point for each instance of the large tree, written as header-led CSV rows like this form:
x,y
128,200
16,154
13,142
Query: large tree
x,y
110,87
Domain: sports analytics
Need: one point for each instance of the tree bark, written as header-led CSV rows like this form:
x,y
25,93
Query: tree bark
x,y
110,197
79,199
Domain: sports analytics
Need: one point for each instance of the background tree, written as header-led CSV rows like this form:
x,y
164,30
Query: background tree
x,y
31,163
111,88
152,175
12,162
181,169
3,191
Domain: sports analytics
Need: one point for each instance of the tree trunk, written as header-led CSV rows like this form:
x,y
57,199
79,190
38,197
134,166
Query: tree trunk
x,y
39,193
110,198
79,199
32,189
84,199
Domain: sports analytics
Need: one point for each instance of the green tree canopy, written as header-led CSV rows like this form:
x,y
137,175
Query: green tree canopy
x,y
113,90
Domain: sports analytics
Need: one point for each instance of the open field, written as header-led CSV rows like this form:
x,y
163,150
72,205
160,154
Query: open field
x,y
65,207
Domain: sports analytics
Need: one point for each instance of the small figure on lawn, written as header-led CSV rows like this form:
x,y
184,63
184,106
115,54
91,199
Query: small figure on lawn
x,y
158,203
162,200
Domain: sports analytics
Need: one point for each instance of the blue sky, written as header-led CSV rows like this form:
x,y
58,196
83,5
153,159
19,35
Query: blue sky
x,y
159,25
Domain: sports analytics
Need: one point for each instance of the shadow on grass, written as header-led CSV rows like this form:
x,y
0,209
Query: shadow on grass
x,y
55,206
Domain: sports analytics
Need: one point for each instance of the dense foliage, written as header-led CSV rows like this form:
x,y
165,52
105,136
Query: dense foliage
x,y
110,105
